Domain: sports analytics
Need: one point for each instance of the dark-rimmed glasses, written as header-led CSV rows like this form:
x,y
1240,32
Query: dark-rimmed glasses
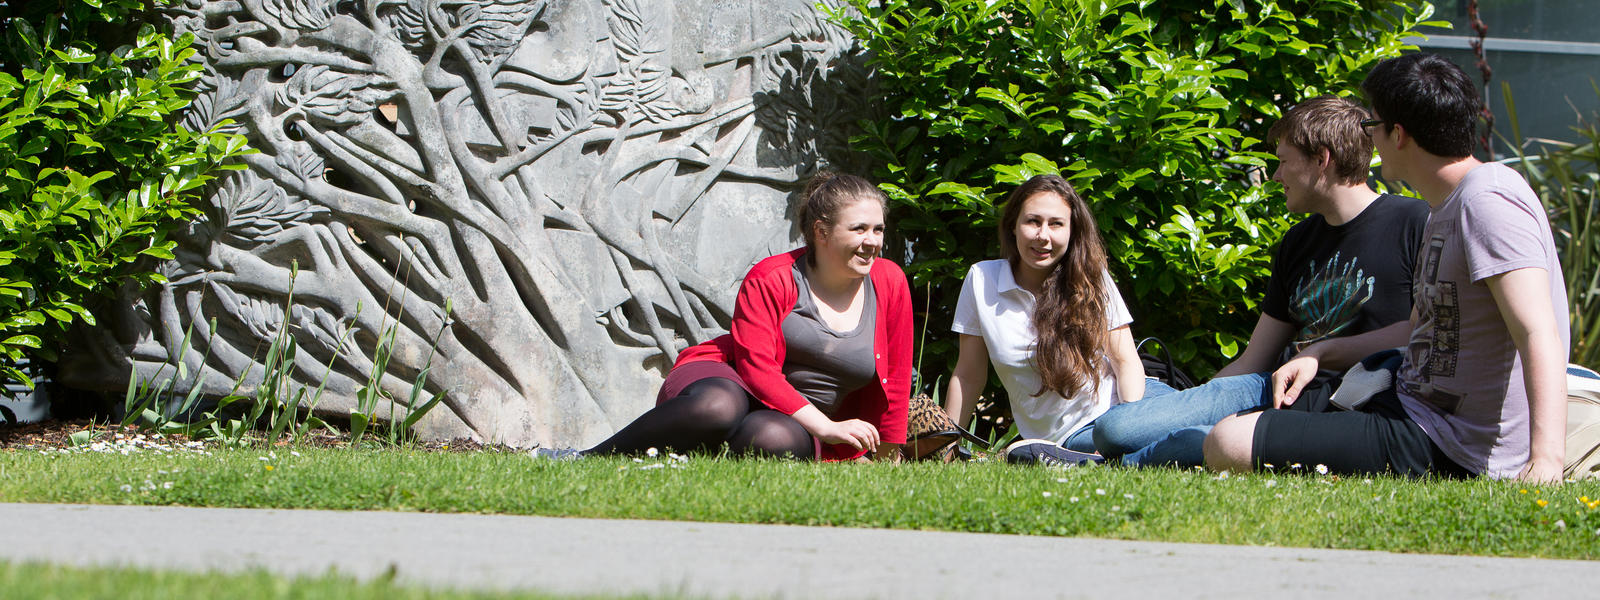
x,y
1368,124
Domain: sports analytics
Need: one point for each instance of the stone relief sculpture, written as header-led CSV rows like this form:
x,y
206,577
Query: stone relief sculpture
x,y
581,183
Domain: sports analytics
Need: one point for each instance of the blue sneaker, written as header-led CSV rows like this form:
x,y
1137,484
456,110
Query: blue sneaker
x,y
1045,452
557,453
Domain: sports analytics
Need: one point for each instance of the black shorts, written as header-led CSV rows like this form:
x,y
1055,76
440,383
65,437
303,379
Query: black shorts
x,y
1379,438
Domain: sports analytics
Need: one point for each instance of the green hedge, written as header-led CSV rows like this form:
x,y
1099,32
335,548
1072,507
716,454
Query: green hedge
x,y
94,170
1154,110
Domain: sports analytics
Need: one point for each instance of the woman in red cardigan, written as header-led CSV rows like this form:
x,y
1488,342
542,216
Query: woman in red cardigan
x,y
818,364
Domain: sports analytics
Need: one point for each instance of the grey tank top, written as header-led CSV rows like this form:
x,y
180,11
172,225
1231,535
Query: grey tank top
x,y
822,364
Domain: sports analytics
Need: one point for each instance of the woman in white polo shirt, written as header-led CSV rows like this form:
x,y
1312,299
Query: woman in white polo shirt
x,y
1050,319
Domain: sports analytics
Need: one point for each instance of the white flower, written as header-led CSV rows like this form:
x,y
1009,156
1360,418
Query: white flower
x,y
1272,483
652,452
1075,499
1222,475
1099,491
129,488
1061,480
678,457
651,466
1322,469
1047,494
293,453
167,485
1128,496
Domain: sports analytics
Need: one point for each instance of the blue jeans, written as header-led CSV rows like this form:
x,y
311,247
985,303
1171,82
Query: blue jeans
x,y
1167,427
1083,440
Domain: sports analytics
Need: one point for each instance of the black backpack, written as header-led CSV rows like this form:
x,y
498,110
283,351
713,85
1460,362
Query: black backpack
x,y
1162,367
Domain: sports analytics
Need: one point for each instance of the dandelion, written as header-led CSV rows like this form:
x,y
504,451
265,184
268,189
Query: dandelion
x,y
1594,504
1541,502
1322,469
1584,499
269,467
1522,491
652,452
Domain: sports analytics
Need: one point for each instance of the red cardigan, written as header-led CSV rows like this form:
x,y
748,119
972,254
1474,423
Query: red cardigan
x,y
756,348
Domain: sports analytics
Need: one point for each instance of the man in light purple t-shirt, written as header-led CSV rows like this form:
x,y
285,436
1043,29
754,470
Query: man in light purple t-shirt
x,y
1481,389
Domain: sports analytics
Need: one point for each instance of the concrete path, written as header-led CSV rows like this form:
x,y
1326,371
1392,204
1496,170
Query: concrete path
x,y
745,561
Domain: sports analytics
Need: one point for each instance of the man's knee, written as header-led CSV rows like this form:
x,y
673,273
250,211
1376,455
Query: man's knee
x,y
1229,445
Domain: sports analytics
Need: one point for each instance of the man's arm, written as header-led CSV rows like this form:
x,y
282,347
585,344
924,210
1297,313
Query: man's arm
x,y
1523,297
1266,342
1336,354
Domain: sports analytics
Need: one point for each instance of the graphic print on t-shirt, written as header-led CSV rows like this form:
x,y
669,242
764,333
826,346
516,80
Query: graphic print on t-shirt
x,y
1436,338
1328,298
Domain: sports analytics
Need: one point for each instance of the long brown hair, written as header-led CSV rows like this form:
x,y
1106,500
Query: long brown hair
x,y
1069,316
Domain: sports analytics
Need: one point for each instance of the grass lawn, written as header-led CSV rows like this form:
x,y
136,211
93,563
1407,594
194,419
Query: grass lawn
x,y
31,580
1306,510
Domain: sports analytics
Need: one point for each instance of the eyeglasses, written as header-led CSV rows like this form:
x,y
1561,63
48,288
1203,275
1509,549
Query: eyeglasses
x,y
1369,124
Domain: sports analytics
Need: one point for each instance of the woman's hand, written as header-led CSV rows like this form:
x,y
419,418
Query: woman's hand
x,y
859,434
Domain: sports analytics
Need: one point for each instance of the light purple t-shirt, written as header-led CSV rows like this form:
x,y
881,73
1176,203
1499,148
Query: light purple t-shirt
x,y
1462,378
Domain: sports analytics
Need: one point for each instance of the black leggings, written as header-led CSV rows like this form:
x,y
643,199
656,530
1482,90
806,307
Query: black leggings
x,y
707,414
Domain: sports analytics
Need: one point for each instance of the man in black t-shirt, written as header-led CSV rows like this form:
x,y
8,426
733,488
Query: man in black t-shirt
x,y
1340,290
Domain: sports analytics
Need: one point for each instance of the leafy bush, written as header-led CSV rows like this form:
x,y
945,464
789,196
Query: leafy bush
x,y
1153,110
94,171
1567,178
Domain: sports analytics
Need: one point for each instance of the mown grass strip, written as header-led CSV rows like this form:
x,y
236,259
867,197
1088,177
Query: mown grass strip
x,y
1305,510
33,580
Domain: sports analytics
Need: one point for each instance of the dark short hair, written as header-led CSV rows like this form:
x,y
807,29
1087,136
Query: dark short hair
x,y
826,194
1431,97
1331,123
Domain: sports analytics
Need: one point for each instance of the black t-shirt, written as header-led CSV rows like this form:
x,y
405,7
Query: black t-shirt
x,y
1335,281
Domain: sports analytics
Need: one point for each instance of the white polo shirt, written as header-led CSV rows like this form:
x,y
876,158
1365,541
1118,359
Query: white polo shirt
x,y
994,308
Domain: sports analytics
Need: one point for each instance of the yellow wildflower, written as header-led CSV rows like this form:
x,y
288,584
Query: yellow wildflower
x,y
269,467
1541,502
